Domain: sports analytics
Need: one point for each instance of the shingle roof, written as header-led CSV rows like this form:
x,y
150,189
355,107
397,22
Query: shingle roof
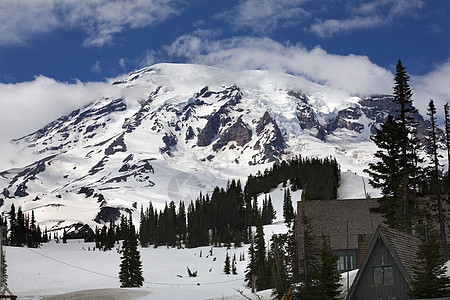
x,y
329,217
402,246
405,247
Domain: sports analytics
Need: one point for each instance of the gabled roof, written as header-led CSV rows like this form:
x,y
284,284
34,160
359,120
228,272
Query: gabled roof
x,y
402,246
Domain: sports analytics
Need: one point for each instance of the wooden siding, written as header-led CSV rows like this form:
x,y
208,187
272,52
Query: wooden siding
x,y
365,289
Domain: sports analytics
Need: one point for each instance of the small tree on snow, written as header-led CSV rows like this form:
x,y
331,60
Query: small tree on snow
x,y
130,273
227,267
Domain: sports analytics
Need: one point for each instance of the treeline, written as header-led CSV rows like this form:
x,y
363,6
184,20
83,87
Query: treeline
x,y
23,230
319,178
223,218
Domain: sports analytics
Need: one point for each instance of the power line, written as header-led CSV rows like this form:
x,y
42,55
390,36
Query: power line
x,y
116,277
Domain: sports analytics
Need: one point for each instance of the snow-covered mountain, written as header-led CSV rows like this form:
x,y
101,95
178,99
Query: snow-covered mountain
x,y
169,131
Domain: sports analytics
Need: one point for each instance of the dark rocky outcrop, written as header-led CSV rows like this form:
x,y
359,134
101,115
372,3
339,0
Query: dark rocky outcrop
x,y
219,118
118,145
108,213
238,132
270,140
169,140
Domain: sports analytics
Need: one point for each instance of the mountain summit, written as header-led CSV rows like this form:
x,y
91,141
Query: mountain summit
x,y
170,131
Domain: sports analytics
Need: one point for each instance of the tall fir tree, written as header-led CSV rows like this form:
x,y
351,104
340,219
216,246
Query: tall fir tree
x,y
385,173
328,277
447,141
288,210
395,172
435,182
130,274
251,270
310,260
431,280
408,143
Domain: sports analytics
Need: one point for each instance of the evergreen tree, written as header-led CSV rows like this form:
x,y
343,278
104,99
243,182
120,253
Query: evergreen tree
x,y
64,238
227,267
328,276
130,273
288,210
431,280
385,173
408,143
432,149
144,228
251,269
309,262
12,225
447,141
233,265
282,274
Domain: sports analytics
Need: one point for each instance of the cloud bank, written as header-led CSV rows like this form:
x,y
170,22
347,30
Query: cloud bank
x,y
354,74
101,20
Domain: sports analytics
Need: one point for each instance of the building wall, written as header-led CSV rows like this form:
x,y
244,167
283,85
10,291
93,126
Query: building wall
x,y
367,290
330,218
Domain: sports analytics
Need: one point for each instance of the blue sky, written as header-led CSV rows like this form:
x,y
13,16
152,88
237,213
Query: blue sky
x,y
92,40
48,46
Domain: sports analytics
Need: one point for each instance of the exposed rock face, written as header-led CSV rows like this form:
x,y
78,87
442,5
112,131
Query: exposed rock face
x,y
348,118
169,140
221,117
118,145
135,121
238,132
190,134
270,140
107,214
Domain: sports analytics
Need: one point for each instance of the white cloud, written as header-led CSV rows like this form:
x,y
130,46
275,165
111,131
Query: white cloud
x,y
101,20
370,14
329,28
265,15
433,85
27,106
355,74
96,67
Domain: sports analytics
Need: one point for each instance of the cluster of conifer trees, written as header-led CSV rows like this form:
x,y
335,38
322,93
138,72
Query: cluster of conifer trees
x,y
23,230
409,175
224,217
319,178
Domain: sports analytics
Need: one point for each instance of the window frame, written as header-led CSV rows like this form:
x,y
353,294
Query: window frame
x,y
383,275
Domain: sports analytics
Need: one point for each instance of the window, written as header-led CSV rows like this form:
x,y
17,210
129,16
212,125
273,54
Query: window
x,y
342,263
382,275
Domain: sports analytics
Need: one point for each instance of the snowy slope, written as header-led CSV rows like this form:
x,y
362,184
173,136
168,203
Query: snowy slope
x,y
169,131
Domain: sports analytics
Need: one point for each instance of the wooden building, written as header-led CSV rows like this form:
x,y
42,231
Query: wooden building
x,y
387,271
348,224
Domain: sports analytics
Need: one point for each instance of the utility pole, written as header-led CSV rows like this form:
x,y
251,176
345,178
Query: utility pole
x,y
3,285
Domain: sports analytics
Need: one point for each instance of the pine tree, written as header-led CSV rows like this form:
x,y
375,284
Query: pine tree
x,y
447,141
328,276
408,143
282,274
309,261
385,173
130,273
431,280
288,210
227,267
251,269
432,149
233,265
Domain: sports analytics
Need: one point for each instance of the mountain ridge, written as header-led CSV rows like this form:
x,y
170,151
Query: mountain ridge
x,y
176,130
